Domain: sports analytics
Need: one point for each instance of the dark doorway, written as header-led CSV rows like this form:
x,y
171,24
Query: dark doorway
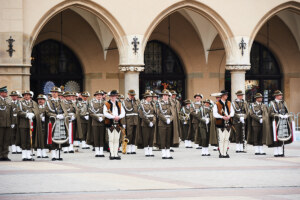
x,y
264,75
47,71
163,68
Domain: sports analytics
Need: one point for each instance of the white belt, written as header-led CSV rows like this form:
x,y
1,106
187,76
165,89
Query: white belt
x,y
99,115
149,115
15,115
167,116
131,114
70,114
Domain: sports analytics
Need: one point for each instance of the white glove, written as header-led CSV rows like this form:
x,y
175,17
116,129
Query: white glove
x,y
43,119
12,126
261,121
124,126
151,124
72,118
281,116
86,117
242,119
29,115
60,116
206,120
286,116
100,119
168,121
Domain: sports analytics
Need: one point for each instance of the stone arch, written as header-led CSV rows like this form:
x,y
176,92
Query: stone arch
x,y
290,5
87,5
200,8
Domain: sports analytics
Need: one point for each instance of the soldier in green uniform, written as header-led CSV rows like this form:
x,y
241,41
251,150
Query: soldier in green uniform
x,y
167,127
240,121
29,124
98,126
185,120
259,124
14,122
205,120
194,132
282,126
41,139
131,105
82,116
148,122
5,124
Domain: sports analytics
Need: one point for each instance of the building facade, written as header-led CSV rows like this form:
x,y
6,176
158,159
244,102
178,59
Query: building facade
x,y
187,45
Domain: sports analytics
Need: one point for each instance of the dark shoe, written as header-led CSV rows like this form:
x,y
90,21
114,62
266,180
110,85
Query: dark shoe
x,y
60,159
147,155
215,149
276,155
5,159
39,157
203,155
24,159
262,154
164,158
133,152
257,153
111,158
220,156
93,149
152,155
101,156
199,148
65,152
13,152
31,159
172,150
243,151
118,158
19,152
87,147
170,157
227,156
71,151
45,157
280,155
53,159
237,151
208,154
97,156
128,153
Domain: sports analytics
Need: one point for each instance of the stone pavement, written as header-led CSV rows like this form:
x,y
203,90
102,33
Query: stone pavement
x,y
188,176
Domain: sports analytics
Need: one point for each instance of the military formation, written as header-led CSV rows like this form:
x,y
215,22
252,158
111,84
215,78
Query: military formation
x,y
108,122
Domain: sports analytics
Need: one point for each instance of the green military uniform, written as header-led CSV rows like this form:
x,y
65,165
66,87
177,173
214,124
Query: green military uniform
x,y
5,125
29,118
194,132
279,113
14,124
41,139
147,114
132,122
258,125
98,125
82,116
239,122
185,121
205,121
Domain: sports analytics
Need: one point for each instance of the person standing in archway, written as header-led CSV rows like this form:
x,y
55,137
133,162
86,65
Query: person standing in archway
x,y
223,112
194,133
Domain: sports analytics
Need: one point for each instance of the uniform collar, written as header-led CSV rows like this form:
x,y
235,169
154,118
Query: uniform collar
x,y
277,101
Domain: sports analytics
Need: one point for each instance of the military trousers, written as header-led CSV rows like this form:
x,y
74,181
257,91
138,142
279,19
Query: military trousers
x,y
165,134
4,141
148,135
131,133
99,135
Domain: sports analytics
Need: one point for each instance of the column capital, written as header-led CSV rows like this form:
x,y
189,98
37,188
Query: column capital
x,y
131,68
232,67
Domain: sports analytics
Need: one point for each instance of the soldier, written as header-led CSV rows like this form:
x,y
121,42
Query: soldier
x,y
55,108
71,109
167,127
213,140
5,124
239,121
281,125
194,132
131,105
147,114
77,130
98,126
41,139
82,116
156,142
29,124
184,116
113,111
259,124
13,136
223,112
205,116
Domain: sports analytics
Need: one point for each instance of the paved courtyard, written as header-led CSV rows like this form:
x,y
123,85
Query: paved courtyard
x,y
188,176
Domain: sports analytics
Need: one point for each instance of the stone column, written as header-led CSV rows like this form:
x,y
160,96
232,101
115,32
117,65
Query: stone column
x,y
131,78
237,78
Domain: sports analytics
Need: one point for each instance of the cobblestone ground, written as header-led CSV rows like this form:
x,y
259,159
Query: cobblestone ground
x,y
188,176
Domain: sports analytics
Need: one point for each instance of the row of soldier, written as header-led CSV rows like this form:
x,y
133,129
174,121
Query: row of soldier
x,y
154,121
